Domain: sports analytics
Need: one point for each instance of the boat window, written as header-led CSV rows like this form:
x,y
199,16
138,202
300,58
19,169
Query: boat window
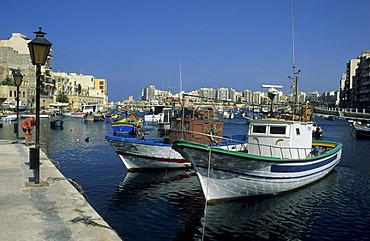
x,y
297,131
259,129
277,130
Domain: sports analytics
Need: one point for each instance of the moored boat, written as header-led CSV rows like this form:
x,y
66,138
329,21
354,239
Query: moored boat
x,y
280,157
127,125
77,114
362,131
151,153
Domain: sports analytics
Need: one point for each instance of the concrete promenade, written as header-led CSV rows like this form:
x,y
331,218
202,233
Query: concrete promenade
x,y
54,210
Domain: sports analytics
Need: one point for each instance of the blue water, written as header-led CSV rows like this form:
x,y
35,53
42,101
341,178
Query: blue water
x,y
169,205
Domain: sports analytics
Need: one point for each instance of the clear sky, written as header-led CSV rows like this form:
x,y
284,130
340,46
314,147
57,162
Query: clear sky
x,y
239,44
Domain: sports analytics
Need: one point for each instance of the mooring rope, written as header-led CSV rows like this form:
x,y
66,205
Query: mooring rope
x,y
74,184
207,185
87,220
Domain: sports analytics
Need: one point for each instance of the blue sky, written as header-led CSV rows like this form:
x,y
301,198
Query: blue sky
x,y
239,44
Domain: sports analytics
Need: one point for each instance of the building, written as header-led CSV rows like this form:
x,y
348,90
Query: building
x,y
355,92
14,54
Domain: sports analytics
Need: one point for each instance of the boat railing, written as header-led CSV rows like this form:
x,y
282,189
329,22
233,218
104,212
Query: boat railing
x,y
231,142
240,143
281,151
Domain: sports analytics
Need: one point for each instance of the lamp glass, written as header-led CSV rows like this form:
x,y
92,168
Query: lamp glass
x,y
39,53
18,77
39,49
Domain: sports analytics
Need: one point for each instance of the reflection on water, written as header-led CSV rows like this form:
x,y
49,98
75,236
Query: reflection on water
x,y
169,205
287,216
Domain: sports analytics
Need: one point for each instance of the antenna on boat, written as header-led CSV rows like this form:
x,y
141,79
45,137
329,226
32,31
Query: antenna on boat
x,y
295,73
271,93
182,101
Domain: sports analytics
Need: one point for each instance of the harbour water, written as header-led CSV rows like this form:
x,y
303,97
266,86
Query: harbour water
x,y
169,205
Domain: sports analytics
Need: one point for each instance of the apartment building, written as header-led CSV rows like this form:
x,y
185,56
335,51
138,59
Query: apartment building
x,y
355,89
14,54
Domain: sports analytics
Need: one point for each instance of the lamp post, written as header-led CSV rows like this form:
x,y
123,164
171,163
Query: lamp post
x,y
18,77
39,49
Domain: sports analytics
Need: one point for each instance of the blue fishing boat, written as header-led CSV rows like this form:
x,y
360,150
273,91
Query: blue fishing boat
x,y
127,125
151,153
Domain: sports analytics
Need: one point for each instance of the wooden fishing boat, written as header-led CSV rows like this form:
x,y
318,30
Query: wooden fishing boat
x,y
151,153
280,156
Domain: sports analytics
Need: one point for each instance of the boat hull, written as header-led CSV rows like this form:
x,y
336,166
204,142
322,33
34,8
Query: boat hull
x,y
236,175
123,128
146,154
363,133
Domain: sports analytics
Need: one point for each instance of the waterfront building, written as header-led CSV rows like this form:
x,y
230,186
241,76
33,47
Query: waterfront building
x,y
148,94
362,82
355,89
225,94
257,98
247,96
14,54
101,84
207,93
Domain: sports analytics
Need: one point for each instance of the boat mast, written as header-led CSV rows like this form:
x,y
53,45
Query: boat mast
x,y
182,101
295,73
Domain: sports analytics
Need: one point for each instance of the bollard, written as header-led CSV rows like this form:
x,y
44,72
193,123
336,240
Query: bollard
x,y
16,127
34,158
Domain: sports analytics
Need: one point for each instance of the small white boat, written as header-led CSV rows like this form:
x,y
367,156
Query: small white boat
x,y
66,113
9,118
6,105
154,115
78,114
24,116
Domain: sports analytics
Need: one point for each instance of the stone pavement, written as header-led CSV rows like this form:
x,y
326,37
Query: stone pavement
x,y
51,210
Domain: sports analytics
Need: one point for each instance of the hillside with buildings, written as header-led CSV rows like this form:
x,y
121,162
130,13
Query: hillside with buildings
x,y
79,88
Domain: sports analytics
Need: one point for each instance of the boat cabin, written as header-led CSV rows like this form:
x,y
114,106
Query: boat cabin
x,y
280,138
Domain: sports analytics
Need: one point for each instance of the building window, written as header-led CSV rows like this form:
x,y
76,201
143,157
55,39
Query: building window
x,y
10,93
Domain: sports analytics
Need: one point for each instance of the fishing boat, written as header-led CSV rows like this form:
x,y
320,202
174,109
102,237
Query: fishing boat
x,y
362,131
76,114
280,156
153,153
154,116
127,125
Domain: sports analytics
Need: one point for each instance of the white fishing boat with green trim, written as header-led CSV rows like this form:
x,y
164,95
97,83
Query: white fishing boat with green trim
x,y
280,156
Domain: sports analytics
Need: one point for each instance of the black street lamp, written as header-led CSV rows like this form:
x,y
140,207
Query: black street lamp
x,y
39,49
18,77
